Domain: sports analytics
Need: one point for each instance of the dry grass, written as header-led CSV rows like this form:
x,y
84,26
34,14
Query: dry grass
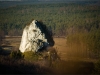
x,y
67,54
67,65
60,45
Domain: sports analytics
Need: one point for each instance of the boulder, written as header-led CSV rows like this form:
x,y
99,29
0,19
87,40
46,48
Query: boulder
x,y
36,37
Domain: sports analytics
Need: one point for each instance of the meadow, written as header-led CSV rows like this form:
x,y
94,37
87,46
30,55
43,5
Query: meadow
x,y
68,64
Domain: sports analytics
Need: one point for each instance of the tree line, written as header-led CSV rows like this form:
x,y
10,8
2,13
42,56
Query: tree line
x,y
58,17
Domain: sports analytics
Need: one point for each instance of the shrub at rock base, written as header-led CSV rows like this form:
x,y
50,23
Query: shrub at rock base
x,y
16,55
29,55
47,56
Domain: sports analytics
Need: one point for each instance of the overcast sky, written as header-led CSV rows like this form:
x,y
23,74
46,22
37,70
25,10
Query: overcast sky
x,y
50,0
10,0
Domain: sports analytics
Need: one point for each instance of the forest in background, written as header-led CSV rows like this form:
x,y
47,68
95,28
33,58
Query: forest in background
x,y
79,23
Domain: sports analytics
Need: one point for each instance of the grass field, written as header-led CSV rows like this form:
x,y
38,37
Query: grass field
x,y
65,52
60,45
67,65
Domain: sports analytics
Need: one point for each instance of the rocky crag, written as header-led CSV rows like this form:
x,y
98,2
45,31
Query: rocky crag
x,y
36,37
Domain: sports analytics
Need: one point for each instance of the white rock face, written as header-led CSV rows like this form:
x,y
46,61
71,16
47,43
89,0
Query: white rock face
x,y
34,38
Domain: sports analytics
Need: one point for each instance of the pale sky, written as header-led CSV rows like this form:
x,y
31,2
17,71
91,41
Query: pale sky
x,y
49,0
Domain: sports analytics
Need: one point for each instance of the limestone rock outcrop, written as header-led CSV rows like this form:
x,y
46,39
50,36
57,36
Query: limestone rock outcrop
x,y
35,37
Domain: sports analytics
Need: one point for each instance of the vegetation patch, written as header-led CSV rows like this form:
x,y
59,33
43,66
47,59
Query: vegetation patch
x,y
73,67
16,55
97,67
29,55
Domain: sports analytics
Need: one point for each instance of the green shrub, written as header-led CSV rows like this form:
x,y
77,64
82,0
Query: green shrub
x,y
50,55
29,55
16,55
